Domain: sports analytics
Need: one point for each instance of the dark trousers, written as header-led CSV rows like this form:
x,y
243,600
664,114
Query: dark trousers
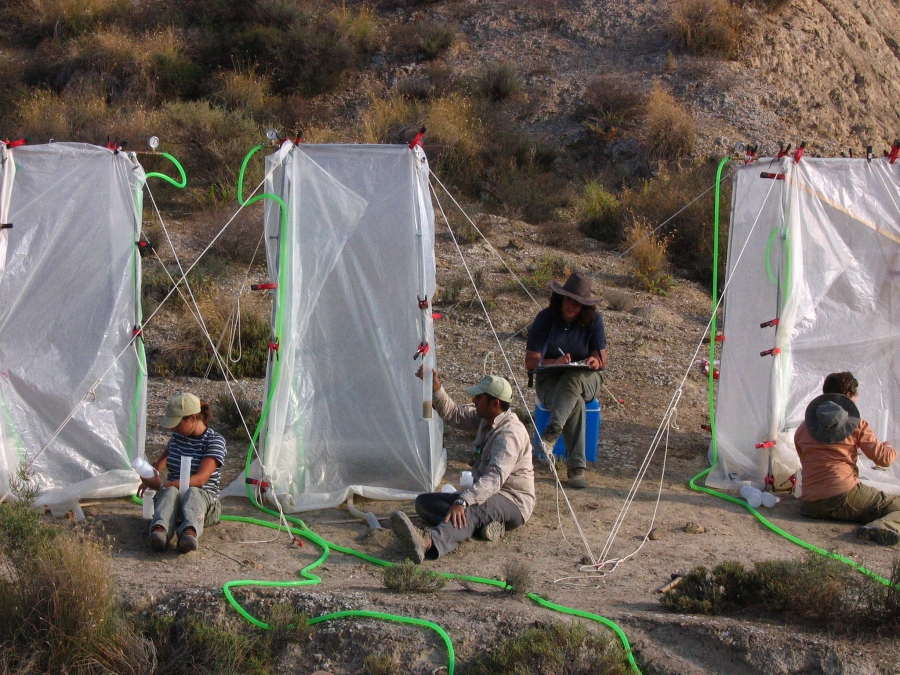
x,y
433,507
564,395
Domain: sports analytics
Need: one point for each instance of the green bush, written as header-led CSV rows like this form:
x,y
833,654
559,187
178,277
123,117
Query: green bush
x,y
598,213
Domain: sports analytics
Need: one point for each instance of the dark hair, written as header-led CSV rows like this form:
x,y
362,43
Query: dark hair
x,y
585,317
504,405
840,383
205,413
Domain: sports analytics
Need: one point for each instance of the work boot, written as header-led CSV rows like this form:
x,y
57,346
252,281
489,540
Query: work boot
x,y
187,540
577,478
159,539
492,531
880,535
414,541
550,436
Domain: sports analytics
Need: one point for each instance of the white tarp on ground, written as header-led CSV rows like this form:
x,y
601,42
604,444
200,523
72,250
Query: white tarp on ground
x,y
345,413
820,251
69,300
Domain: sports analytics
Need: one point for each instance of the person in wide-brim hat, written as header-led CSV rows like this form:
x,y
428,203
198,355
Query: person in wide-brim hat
x,y
569,331
829,442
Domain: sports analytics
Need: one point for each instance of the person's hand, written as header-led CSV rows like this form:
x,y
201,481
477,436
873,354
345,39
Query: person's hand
x,y
435,379
154,483
456,515
593,363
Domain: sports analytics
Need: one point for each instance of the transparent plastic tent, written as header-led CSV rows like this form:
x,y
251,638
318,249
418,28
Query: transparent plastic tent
x,y
816,247
345,413
69,301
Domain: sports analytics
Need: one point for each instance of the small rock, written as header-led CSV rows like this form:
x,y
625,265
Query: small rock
x,y
655,534
694,528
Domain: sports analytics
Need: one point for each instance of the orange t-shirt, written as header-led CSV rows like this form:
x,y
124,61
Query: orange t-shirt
x,y
829,469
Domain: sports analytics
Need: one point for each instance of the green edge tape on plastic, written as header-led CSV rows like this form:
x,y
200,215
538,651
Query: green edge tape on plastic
x,y
179,184
713,447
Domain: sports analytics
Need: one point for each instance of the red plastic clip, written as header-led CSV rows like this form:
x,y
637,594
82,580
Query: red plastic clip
x,y
895,152
706,427
769,324
436,315
422,350
799,153
418,139
263,287
137,331
297,540
423,304
751,154
720,338
715,373
773,176
793,481
14,144
275,346
263,485
783,151
771,352
115,146
763,446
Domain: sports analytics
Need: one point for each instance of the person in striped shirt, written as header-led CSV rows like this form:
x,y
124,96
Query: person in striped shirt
x,y
197,506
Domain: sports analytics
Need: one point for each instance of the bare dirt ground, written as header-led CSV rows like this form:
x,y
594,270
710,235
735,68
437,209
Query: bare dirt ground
x,y
651,347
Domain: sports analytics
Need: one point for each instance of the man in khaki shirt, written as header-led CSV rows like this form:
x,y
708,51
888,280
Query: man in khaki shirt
x,y
503,494
828,443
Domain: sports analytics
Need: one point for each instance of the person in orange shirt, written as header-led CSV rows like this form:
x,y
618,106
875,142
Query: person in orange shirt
x,y
828,442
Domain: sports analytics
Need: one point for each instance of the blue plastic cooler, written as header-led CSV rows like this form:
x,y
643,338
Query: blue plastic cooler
x,y
591,430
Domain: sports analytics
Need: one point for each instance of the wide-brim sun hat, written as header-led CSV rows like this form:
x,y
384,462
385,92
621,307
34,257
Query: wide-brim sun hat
x,y
831,418
492,385
179,407
576,287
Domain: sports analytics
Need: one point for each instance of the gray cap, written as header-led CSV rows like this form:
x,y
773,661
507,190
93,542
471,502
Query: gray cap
x,y
831,417
492,385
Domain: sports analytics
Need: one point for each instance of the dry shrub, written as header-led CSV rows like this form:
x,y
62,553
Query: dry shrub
x,y
242,90
34,20
232,417
598,212
384,117
647,250
499,82
453,123
242,241
380,664
614,94
669,132
706,27
409,577
555,649
619,301
360,25
428,38
518,577
546,268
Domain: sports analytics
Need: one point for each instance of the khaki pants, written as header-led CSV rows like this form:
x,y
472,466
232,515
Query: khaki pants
x,y
199,508
862,504
564,394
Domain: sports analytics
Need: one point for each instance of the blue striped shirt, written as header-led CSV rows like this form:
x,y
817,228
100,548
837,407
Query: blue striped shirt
x,y
208,444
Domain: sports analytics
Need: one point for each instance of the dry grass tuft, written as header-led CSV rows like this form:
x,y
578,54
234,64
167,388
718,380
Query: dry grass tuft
x,y
619,301
706,27
242,90
384,117
598,212
409,577
380,664
518,577
499,82
647,250
669,132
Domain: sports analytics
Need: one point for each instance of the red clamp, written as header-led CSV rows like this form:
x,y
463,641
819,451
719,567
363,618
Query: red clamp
x,y
14,144
773,176
115,146
793,481
799,153
418,139
274,346
137,331
720,338
297,540
263,287
764,446
422,351
142,244
263,485
436,315
706,427
715,373
751,154
771,352
423,304
783,151
769,324
895,152
770,483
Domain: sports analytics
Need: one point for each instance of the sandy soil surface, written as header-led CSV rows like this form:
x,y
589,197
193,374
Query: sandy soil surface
x,y
652,347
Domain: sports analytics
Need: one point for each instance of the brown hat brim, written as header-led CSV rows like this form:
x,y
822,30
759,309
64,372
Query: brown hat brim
x,y
557,288
831,434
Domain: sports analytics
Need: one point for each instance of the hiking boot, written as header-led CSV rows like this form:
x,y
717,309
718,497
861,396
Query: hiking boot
x,y
187,540
492,531
880,535
414,541
550,436
159,539
577,478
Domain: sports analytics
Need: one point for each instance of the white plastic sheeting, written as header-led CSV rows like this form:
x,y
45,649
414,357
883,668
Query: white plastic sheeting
x,y
819,250
69,300
345,412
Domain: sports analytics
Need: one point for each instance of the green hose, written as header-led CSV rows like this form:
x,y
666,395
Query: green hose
x,y
182,184
713,447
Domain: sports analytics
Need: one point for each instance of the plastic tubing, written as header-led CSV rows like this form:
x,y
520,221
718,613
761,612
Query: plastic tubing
x,y
179,184
712,420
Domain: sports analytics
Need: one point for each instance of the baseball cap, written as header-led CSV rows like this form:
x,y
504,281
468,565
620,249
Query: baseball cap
x,y
492,385
179,407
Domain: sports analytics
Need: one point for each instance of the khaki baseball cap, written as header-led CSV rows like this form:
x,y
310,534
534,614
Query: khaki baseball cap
x,y
492,385
179,407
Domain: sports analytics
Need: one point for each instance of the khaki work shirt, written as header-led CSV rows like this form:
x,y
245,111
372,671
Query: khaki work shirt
x,y
829,469
504,463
